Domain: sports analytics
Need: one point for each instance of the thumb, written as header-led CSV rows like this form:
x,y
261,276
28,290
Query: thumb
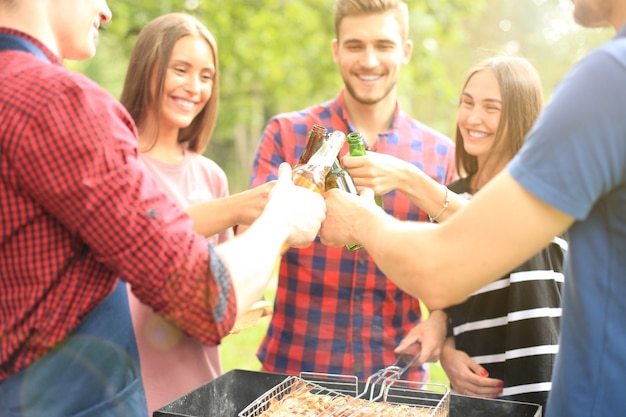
x,y
367,193
284,172
414,349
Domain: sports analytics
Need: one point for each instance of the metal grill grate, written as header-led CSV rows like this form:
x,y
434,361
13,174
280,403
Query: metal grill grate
x,y
325,395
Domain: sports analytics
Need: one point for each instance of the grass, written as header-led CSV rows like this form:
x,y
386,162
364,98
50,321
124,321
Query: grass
x,y
238,351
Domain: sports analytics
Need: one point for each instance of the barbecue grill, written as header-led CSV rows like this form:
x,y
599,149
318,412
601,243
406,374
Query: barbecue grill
x,y
299,396
321,395
229,394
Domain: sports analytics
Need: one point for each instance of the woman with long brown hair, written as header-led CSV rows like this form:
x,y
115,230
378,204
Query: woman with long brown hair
x,y
503,340
172,92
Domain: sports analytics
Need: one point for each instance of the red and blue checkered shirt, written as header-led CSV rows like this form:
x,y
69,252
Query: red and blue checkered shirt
x,y
335,312
77,210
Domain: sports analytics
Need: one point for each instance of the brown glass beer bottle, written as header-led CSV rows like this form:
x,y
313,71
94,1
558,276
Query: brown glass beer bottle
x,y
316,136
312,174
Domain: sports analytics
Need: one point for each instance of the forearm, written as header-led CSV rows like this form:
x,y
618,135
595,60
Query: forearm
x,y
443,264
449,347
213,216
429,195
439,317
241,209
251,258
401,251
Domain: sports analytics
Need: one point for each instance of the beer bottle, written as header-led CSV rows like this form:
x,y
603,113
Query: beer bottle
x,y
338,177
355,141
316,136
357,148
312,174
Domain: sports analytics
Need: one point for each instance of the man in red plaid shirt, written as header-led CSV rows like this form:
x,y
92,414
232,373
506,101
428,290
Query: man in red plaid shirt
x,y
335,312
77,211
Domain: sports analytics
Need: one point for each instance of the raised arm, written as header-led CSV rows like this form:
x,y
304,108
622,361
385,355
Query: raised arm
x,y
383,173
214,216
292,214
453,263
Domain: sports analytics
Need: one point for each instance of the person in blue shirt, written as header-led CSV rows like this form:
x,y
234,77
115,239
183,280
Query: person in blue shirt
x,y
569,177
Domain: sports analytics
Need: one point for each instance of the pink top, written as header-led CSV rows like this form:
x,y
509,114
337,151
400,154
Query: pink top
x,y
173,363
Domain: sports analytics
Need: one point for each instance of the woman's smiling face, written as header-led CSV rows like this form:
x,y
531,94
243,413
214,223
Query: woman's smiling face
x,y
479,112
188,82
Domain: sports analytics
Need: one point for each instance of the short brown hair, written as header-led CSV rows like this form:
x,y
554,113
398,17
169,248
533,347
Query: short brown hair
x,y
522,101
346,8
9,3
150,57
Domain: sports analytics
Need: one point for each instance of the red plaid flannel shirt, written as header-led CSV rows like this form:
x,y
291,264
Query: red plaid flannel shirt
x,y
77,211
335,312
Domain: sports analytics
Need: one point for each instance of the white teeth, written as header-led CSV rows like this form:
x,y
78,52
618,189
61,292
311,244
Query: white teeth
x,y
186,104
476,134
369,77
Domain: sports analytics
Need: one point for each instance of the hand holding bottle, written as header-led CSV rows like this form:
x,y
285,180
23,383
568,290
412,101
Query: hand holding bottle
x,y
357,148
300,210
340,178
378,171
312,174
346,214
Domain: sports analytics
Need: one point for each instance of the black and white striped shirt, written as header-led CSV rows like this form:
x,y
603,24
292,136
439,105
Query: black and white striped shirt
x,y
511,326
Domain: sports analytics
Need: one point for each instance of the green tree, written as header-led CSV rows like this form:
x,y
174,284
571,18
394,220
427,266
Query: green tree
x,y
275,56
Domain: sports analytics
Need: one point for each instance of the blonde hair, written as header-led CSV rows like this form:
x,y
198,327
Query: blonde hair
x,y
347,8
522,101
150,58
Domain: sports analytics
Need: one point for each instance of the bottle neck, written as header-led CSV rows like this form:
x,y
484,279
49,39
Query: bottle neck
x,y
328,150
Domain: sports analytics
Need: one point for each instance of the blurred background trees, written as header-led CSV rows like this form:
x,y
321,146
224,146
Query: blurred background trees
x,y
275,56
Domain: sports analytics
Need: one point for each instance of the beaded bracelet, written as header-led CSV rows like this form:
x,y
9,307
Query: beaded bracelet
x,y
446,203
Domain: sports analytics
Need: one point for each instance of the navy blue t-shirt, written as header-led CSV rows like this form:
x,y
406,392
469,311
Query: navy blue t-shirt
x,y
575,160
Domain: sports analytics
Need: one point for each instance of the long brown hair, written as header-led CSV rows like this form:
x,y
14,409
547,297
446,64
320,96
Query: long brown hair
x,y
150,58
522,101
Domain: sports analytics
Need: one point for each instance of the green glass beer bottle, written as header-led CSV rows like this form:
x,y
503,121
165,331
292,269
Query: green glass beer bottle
x,y
338,177
357,148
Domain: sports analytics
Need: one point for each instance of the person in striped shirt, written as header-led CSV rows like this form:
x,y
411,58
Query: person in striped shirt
x,y
502,341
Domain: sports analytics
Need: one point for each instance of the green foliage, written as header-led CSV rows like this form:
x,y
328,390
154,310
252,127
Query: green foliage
x,y
275,56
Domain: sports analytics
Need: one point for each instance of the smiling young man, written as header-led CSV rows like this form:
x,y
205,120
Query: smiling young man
x,y
335,311
78,212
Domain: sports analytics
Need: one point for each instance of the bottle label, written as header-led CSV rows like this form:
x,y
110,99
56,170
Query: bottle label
x,y
318,159
301,181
